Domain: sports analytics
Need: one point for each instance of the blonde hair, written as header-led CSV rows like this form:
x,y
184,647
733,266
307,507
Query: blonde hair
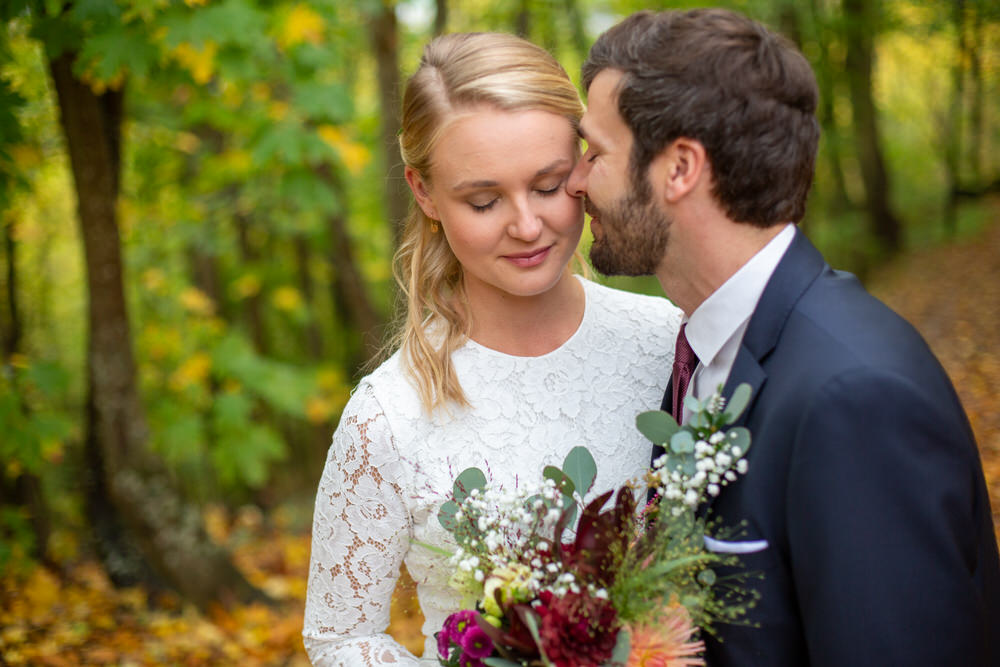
x,y
457,73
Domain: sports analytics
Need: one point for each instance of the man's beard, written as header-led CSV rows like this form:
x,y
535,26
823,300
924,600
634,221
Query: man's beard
x,y
634,238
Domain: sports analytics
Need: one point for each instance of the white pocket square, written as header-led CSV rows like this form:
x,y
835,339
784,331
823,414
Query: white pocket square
x,y
724,547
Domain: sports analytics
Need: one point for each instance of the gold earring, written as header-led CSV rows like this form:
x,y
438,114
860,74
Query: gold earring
x,y
434,227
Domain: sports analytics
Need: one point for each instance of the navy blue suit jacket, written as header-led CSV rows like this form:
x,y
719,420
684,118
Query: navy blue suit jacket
x,y
866,482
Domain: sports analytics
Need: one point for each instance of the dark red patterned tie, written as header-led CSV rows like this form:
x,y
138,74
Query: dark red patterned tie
x,y
685,361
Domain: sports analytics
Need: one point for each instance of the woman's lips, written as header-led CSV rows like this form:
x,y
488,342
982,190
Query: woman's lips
x,y
529,259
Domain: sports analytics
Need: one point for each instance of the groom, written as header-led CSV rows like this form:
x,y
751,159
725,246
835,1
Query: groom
x,y
865,481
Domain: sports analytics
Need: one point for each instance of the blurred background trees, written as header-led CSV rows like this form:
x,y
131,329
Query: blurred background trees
x,y
199,201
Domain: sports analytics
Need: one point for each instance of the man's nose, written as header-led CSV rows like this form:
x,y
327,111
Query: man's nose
x,y
576,184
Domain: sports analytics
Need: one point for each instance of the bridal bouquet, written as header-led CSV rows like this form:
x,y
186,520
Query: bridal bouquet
x,y
543,586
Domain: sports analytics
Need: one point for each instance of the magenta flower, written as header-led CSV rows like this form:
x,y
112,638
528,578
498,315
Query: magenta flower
x,y
475,642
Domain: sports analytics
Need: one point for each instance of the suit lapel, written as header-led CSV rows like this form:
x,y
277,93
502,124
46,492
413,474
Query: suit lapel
x,y
798,268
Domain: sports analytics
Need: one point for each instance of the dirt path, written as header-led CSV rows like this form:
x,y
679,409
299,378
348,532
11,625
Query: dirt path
x,y
951,294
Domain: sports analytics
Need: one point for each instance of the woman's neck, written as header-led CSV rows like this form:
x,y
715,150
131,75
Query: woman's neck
x,y
527,326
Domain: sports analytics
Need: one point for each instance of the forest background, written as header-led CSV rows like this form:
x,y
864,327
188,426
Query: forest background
x,y
199,202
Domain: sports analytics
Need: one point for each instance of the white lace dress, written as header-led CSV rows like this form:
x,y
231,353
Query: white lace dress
x,y
391,466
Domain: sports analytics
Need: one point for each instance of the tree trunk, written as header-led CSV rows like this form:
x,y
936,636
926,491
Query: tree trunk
x,y
952,131
25,490
860,21
254,306
158,534
522,20
440,16
10,334
350,295
385,44
577,32
313,335
826,78
976,137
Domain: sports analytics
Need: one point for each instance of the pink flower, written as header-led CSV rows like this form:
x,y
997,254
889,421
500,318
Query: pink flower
x,y
475,643
665,643
462,629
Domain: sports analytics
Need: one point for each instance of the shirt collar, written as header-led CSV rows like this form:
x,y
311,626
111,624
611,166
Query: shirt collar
x,y
728,308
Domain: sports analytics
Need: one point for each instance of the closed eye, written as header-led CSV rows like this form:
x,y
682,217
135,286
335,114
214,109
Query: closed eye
x,y
484,207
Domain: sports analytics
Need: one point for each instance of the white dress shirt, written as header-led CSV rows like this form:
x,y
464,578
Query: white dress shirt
x,y
715,329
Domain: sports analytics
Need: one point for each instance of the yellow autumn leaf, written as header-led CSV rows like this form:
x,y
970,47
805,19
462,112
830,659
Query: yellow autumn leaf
x,y
52,451
197,301
200,62
277,110
330,379
354,155
287,298
237,161
187,142
153,279
193,371
26,156
246,286
318,410
303,24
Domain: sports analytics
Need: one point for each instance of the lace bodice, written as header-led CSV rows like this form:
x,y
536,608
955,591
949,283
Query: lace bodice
x,y
391,466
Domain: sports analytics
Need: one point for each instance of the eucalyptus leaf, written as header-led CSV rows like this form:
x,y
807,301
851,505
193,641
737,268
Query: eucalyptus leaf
x,y
675,462
682,442
688,467
467,480
531,622
657,426
707,577
693,404
580,467
500,662
562,480
739,437
623,646
738,402
446,515
698,420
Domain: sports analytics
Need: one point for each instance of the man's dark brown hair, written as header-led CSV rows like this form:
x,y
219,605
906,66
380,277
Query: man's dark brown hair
x,y
745,93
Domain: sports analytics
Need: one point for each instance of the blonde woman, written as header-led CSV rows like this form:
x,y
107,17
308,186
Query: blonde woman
x,y
507,360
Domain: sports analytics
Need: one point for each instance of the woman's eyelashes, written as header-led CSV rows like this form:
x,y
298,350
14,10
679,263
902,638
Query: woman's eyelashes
x,y
482,208
545,191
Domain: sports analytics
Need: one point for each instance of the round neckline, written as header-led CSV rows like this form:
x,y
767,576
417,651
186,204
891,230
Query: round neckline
x,y
586,285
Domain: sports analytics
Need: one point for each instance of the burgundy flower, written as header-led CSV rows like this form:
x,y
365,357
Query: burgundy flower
x,y
577,629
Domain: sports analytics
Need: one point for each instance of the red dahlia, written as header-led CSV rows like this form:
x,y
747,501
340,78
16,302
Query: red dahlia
x,y
577,629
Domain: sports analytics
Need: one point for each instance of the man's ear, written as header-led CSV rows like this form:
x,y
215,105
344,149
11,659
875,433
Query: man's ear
x,y
420,193
680,167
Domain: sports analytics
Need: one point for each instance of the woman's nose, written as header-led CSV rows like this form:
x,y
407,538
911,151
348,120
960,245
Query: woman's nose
x,y
527,226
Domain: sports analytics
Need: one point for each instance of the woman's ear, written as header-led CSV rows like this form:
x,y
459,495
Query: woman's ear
x,y
679,168
420,193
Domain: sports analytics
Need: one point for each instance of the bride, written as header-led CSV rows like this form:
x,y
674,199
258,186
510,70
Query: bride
x,y
506,361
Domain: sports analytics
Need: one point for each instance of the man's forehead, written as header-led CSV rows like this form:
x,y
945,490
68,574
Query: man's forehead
x,y
602,104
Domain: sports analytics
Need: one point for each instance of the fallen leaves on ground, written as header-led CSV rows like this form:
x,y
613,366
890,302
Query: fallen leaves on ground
x,y
951,294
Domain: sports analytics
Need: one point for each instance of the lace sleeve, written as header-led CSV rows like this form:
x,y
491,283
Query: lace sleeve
x,y
360,533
